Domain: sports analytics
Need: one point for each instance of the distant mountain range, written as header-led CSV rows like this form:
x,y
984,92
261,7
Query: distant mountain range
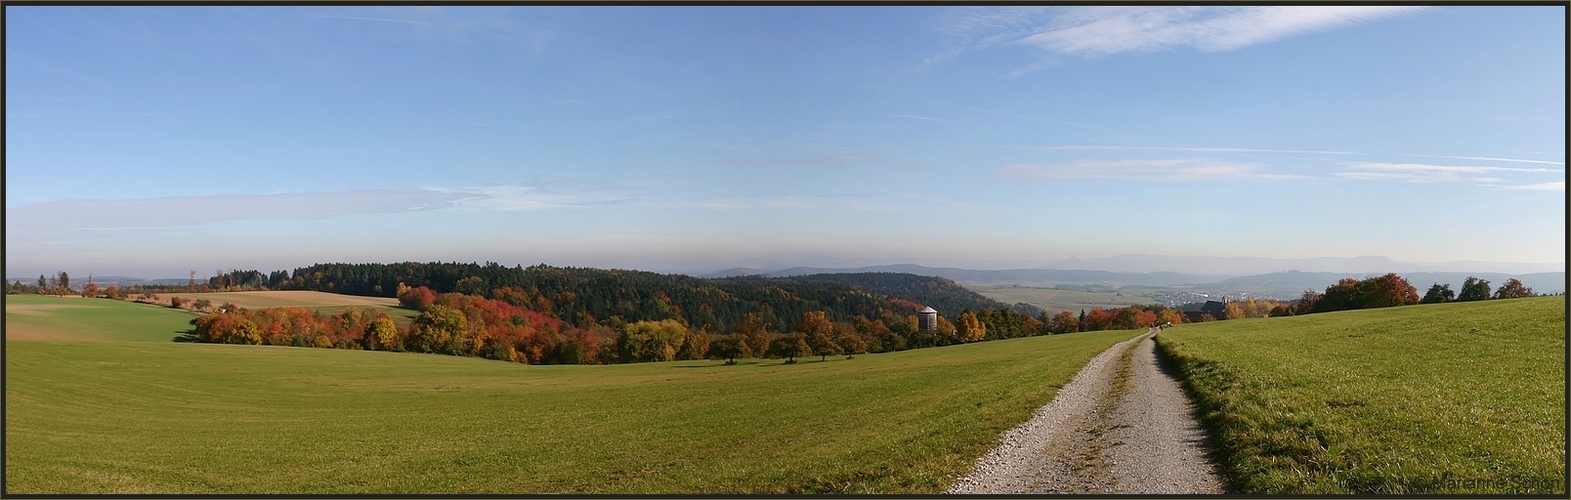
x,y
1244,274
1280,283
79,281
1244,266
997,277
1293,282
1162,267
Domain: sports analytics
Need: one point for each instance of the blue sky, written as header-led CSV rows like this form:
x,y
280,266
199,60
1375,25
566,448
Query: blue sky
x,y
153,141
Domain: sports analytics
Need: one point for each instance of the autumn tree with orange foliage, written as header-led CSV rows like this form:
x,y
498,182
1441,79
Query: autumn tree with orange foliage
x,y
1511,289
819,333
1389,290
1098,319
1166,316
1064,322
1234,310
851,341
755,333
1348,293
415,298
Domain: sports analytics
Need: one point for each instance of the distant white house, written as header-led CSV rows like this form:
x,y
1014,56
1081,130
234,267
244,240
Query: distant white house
x,y
927,319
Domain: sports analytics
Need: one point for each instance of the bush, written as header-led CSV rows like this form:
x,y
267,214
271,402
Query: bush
x,y
417,298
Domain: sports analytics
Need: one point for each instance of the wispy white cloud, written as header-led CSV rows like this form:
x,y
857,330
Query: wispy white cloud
x,y
1170,170
1099,31
1487,158
1542,186
194,210
979,28
1424,173
174,211
515,198
1095,31
1510,178
842,160
1196,149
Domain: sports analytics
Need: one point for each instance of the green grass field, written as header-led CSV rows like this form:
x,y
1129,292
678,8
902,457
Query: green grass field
x,y
100,400
1445,398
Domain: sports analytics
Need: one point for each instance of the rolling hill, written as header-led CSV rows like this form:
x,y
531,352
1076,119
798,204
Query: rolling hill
x,y
99,400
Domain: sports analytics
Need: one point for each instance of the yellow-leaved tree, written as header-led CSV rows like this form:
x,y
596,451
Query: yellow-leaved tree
x,y
970,329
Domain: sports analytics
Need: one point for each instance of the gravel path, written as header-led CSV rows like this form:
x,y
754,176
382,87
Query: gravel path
x,y
1122,425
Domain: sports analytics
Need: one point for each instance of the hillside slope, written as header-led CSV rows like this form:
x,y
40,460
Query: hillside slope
x,y
1457,398
942,294
124,410
589,296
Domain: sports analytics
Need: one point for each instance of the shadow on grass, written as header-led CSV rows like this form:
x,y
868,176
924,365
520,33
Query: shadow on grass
x,y
747,362
187,336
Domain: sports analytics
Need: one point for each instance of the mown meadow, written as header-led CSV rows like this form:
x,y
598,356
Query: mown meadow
x,y
1464,398
99,399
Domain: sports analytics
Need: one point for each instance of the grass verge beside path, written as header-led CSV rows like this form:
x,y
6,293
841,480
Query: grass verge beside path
x,y
1445,398
123,415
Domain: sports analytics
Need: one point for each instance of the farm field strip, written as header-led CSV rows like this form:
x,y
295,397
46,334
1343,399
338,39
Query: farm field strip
x,y
1054,300
323,302
134,412
287,298
1441,398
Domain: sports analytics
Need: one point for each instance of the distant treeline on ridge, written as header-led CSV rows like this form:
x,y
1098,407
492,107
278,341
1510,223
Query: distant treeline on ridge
x,y
585,297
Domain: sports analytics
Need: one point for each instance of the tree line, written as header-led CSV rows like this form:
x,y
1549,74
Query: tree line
x,y
513,324
587,297
1392,290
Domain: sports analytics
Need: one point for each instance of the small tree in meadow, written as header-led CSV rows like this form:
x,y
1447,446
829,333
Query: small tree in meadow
x,y
754,332
851,342
819,334
790,346
1473,289
730,347
1514,289
1438,293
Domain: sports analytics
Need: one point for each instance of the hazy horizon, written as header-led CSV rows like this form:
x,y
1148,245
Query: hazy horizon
x,y
1196,265
151,141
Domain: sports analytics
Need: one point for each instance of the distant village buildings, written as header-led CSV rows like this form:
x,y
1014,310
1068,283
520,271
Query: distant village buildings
x,y
927,320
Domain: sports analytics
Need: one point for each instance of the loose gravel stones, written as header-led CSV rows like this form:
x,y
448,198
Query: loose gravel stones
x,y
1122,425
